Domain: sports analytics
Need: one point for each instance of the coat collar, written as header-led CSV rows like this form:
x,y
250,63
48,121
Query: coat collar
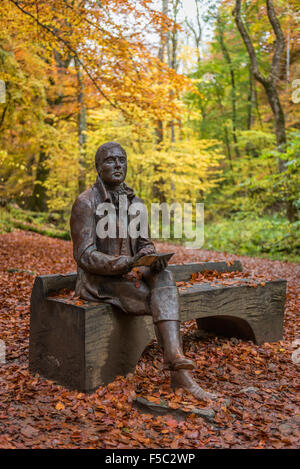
x,y
104,193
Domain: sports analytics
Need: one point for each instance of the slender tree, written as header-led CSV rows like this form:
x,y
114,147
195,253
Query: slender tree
x,y
172,50
226,55
81,125
196,30
268,82
163,45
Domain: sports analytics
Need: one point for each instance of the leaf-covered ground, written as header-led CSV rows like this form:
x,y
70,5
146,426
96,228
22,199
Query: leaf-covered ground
x,y
260,381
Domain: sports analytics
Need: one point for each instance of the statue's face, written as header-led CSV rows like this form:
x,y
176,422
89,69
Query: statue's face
x,y
113,167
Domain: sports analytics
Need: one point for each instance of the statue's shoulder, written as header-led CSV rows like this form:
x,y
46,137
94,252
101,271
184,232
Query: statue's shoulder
x,y
137,200
85,200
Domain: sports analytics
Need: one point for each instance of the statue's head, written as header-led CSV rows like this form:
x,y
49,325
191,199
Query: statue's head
x,y
111,163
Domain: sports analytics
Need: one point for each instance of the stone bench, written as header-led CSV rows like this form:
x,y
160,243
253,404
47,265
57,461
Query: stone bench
x,y
83,347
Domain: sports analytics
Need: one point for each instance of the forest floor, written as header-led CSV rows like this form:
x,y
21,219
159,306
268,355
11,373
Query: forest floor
x,y
259,381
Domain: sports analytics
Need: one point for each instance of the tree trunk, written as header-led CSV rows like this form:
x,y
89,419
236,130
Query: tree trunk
x,y
226,136
81,127
159,131
38,200
172,53
270,82
161,56
279,118
251,100
227,58
196,31
156,190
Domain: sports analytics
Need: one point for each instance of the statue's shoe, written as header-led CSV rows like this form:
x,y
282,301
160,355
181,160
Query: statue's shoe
x,y
183,379
180,363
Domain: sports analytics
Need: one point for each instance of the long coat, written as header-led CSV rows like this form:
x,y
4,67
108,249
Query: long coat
x,y
100,267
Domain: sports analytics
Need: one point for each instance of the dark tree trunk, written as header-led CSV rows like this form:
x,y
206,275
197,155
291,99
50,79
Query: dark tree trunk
x,y
270,82
161,56
159,131
172,46
226,136
227,57
81,127
251,100
279,117
38,200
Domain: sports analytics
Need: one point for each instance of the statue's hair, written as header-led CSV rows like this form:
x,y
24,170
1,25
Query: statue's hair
x,y
103,149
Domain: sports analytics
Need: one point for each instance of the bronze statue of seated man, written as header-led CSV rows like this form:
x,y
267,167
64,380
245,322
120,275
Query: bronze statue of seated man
x,y
103,265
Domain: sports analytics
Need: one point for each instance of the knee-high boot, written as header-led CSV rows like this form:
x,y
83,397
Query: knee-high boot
x,y
164,304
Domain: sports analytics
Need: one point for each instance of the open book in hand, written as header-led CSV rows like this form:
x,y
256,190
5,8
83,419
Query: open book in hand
x,y
150,258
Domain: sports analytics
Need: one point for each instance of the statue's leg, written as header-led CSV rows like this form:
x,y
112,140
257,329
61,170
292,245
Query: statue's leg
x,y
157,295
164,305
124,294
158,337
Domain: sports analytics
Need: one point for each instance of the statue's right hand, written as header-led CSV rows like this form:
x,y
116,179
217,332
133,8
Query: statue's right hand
x,y
125,263
135,258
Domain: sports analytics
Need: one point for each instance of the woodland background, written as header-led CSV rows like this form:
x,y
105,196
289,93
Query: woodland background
x,y
207,107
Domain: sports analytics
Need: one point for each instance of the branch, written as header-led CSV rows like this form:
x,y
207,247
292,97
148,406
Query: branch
x,y
197,37
74,52
248,43
111,37
198,19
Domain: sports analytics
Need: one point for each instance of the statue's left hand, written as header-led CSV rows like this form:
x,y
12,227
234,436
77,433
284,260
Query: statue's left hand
x,y
146,251
159,265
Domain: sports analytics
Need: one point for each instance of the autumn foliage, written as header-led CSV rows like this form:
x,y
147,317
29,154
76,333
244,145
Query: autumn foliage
x,y
182,98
